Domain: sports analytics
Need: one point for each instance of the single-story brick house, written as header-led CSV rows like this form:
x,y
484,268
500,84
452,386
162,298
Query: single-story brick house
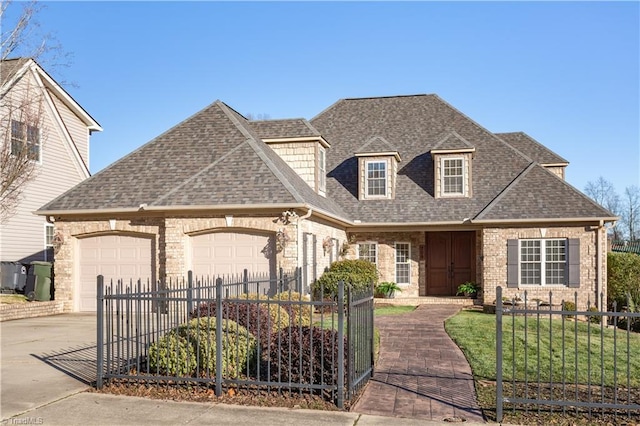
x,y
408,182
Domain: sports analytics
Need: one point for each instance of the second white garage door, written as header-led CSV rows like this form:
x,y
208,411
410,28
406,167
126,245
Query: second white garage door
x,y
115,257
224,253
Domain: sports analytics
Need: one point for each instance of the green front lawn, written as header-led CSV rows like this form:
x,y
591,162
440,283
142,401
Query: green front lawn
x,y
475,334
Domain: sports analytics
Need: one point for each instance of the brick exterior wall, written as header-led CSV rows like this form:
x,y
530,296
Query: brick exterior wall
x,y
15,311
494,264
171,238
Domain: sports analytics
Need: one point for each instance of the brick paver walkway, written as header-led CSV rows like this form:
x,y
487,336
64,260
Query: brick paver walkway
x,y
420,373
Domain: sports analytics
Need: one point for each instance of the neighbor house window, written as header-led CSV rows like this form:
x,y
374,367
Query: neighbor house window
x,y
48,241
376,179
452,176
322,170
25,140
543,262
403,263
368,251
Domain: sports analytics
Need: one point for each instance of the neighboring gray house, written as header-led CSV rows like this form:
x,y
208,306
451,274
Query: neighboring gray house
x,y
407,182
36,111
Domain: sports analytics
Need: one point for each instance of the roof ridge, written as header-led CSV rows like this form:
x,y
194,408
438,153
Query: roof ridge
x,y
389,96
253,143
502,193
535,142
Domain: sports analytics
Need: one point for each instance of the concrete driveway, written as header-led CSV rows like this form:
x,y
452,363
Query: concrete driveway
x,y
45,359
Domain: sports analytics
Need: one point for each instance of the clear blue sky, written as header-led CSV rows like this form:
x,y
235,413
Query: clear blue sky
x,y
565,73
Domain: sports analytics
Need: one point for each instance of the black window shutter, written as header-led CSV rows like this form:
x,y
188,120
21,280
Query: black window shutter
x,y
573,262
512,263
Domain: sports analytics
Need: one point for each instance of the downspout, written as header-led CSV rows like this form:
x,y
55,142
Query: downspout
x,y
599,265
299,235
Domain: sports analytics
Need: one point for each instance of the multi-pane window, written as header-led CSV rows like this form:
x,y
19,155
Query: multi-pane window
x,y
48,241
452,176
376,178
25,140
403,263
543,262
322,169
368,251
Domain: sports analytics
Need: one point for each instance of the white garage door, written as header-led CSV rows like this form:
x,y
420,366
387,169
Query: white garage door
x,y
115,257
224,253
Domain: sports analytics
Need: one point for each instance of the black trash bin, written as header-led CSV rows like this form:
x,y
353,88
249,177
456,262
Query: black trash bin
x,y
13,276
39,282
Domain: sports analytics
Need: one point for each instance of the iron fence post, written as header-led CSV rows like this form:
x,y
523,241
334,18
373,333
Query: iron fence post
x,y
340,401
189,293
218,336
99,335
499,354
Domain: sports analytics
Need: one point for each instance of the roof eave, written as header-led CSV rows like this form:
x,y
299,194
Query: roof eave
x,y
605,219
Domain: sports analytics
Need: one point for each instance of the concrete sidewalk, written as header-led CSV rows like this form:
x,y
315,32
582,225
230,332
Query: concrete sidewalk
x,y
99,409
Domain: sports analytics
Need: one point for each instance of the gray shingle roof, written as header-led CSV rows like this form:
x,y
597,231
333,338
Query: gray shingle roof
x,y
9,67
453,141
272,129
217,157
376,144
531,148
211,158
417,124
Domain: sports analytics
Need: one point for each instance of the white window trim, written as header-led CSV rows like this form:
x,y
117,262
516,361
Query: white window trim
x,y
11,138
543,261
375,243
366,179
322,170
442,176
46,245
395,262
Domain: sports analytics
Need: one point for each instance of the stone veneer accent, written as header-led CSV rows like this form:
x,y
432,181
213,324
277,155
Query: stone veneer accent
x,y
494,264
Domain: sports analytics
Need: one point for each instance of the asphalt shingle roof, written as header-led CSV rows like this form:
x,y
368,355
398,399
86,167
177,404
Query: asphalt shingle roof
x,y
531,148
217,157
9,67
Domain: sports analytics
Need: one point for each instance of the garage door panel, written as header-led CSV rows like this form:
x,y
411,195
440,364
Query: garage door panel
x,y
115,257
227,253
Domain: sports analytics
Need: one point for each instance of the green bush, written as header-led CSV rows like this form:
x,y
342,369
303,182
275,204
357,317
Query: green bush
x,y
172,355
623,276
595,319
238,345
299,314
357,273
569,306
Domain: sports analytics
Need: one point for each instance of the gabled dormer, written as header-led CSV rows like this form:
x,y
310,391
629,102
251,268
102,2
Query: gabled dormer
x,y
377,169
452,166
300,145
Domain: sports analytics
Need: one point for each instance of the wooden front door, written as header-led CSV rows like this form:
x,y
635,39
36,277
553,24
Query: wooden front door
x,y
450,258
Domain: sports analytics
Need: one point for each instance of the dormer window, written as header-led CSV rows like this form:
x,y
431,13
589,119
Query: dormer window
x,y
452,176
452,158
376,179
377,169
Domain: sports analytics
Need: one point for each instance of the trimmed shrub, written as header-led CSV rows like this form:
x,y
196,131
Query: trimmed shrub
x,y
623,277
256,318
279,315
172,355
306,355
298,314
569,306
238,345
595,319
357,273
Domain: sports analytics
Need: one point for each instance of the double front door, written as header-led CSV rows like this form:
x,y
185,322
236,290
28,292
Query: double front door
x,y
450,261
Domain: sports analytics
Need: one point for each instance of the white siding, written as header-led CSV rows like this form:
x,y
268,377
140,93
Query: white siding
x,y
76,128
22,236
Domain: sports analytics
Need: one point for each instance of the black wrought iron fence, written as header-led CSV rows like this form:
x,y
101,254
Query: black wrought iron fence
x,y
556,357
248,331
